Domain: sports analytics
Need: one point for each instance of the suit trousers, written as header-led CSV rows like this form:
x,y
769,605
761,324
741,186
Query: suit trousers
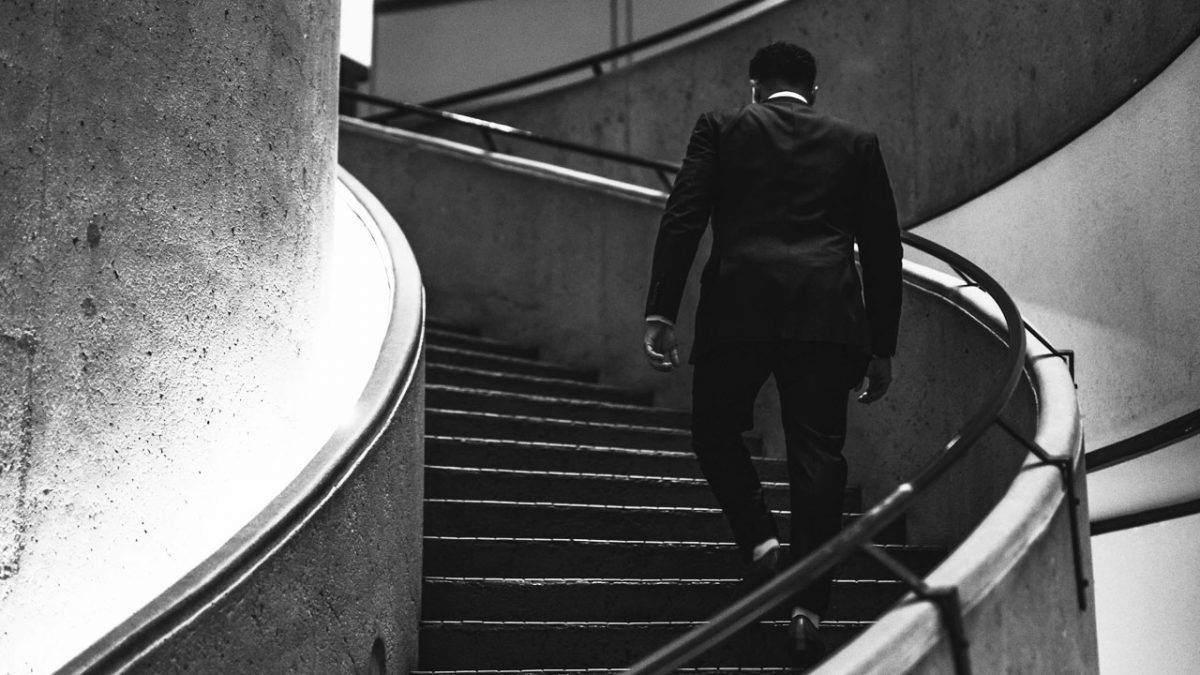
x,y
813,379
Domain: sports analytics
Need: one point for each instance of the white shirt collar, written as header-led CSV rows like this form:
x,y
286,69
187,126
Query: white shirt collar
x,y
787,94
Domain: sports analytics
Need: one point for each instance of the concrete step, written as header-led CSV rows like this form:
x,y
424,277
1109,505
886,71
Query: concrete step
x,y
716,670
509,403
446,326
465,358
766,670
525,645
470,424
501,599
476,378
457,340
452,482
576,558
480,518
502,454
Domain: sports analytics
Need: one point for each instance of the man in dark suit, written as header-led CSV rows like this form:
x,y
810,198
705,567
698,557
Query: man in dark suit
x,y
789,192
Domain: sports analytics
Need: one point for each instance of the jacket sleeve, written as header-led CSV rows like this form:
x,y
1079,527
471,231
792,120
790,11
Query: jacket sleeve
x,y
683,222
879,252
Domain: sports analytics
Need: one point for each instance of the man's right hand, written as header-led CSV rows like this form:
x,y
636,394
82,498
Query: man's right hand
x,y
662,349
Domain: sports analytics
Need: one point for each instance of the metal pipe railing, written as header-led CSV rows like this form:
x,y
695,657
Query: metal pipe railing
x,y
489,131
594,63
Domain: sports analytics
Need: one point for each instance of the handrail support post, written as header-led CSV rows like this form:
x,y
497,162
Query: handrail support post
x,y
1067,468
945,598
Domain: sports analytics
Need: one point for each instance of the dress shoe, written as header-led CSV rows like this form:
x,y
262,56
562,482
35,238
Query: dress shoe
x,y
760,571
804,642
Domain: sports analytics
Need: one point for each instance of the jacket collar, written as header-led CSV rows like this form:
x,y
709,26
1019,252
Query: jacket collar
x,y
788,94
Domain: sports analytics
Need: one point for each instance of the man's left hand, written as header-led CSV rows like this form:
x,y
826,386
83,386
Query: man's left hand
x,y
879,378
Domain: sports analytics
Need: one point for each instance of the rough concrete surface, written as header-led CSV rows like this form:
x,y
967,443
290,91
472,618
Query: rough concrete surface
x,y
165,187
1098,244
963,94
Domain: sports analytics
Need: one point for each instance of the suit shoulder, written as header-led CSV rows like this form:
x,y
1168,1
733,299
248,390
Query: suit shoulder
x,y
850,129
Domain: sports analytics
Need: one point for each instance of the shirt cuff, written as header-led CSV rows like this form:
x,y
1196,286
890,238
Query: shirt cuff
x,y
660,319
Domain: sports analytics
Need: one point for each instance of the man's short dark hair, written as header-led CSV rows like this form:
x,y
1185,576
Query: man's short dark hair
x,y
784,61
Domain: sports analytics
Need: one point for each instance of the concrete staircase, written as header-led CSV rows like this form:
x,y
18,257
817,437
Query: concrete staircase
x,y
568,530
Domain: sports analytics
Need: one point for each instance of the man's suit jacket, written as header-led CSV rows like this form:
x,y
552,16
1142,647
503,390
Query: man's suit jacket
x,y
789,192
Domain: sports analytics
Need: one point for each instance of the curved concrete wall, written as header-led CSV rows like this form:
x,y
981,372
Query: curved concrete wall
x,y
165,197
1142,574
327,577
1098,243
963,94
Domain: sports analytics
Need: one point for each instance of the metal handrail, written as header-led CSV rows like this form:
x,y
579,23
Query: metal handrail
x,y
860,534
489,130
594,62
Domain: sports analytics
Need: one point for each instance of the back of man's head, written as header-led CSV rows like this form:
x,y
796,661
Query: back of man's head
x,y
784,62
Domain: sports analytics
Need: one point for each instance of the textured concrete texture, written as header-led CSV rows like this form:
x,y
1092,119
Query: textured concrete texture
x,y
1098,243
552,261
1148,592
165,190
963,94
327,577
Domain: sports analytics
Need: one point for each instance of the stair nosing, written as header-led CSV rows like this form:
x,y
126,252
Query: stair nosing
x,y
619,477
532,378
647,508
583,447
930,548
509,358
625,581
566,400
533,419
833,623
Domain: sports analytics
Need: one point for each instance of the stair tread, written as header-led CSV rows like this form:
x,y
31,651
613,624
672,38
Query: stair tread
x,y
490,360
618,477
534,419
537,398
442,337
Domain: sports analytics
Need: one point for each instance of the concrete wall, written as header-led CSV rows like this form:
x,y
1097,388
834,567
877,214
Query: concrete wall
x,y
963,94
165,195
560,262
327,577
428,52
1147,591
1098,243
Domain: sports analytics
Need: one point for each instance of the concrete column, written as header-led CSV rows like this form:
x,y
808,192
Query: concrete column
x,y
166,182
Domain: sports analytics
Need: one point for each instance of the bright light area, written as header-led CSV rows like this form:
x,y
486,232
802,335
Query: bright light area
x,y
66,598
1148,598
358,29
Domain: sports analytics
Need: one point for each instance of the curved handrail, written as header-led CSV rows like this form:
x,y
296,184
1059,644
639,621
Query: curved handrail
x,y
487,129
858,535
395,370
593,63
1161,436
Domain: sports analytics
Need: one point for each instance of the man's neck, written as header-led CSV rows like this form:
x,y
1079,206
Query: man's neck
x,y
785,93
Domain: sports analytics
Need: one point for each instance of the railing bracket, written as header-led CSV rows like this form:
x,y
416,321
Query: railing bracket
x,y
945,598
1067,468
